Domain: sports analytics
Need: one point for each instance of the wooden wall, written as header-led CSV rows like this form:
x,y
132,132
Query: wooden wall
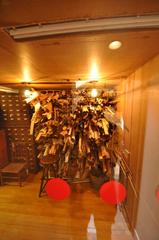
x,y
147,225
134,105
133,108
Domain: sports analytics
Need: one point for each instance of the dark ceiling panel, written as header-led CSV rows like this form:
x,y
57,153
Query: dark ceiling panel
x,y
17,12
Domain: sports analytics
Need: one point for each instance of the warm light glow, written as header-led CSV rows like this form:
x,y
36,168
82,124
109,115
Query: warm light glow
x,y
26,75
25,52
30,95
37,106
115,45
94,73
93,76
94,92
122,123
27,93
80,83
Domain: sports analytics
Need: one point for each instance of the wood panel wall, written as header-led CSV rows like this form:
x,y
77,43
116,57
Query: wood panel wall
x,y
133,107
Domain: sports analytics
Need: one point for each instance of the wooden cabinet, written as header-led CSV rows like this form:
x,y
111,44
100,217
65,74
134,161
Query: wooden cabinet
x,y
16,123
134,117
129,206
3,149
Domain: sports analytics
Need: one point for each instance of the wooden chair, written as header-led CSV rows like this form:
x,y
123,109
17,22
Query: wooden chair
x,y
17,169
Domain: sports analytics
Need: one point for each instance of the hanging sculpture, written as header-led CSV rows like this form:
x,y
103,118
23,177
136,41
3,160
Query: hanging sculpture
x,y
75,129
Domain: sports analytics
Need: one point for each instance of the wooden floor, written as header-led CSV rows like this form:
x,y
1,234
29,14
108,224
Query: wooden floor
x,y
25,216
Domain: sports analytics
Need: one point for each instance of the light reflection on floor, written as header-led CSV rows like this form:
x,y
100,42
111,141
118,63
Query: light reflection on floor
x,y
25,216
119,230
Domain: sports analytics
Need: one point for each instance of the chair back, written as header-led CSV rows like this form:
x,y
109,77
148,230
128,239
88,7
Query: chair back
x,y
20,152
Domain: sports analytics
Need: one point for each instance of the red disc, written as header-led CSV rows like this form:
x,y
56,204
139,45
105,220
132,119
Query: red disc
x,y
58,189
157,194
112,192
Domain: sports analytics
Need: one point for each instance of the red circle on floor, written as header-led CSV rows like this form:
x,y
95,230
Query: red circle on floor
x,y
112,192
58,189
157,195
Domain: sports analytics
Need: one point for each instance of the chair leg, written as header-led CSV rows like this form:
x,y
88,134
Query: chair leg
x,y
52,170
1,179
20,180
43,179
47,172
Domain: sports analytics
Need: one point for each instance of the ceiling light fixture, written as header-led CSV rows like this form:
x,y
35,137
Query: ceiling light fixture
x,y
106,24
115,45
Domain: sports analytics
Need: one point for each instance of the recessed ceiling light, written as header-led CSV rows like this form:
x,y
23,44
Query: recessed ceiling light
x,y
115,45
